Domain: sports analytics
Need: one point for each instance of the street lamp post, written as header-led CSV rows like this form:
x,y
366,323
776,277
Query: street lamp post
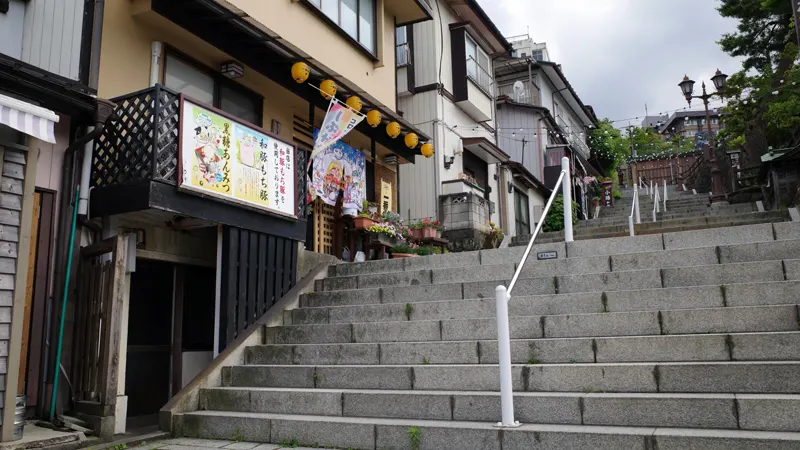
x,y
687,88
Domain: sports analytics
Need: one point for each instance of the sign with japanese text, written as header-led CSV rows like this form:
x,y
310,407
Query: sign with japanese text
x,y
608,194
386,196
340,120
340,167
222,157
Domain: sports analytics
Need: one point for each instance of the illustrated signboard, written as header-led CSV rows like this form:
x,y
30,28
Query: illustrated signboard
x,y
340,166
221,157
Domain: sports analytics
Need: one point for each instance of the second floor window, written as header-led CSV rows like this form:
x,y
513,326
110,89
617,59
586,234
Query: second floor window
x,y
354,17
403,49
478,65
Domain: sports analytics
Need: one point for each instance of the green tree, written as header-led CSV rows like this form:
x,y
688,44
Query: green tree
x,y
608,146
647,142
762,33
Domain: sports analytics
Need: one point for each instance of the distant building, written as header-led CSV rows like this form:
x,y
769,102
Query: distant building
x,y
689,124
525,47
655,122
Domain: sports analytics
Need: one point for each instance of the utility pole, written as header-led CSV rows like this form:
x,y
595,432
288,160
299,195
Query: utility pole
x,y
796,11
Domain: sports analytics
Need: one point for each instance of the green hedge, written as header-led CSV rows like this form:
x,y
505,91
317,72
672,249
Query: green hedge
x,y
555,218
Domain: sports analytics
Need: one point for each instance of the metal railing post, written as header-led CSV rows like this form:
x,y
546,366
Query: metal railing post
x,y
567,193
664,209
501,298
636,208
651,189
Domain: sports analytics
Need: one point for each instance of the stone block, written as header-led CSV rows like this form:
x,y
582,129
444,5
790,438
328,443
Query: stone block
x,y
768,293
473,329
269,354
437,436
575,438
638,377
541,351
571,266
309,334
370,267
340,283
665,259
765,346
313,402
427,330
786,230
334,433
463,378
272,376
603,324
433,352
610,281
759,251
540,305
424,293
767,412
792,269
723,274
463,259
340,298
662,348
406,405
686,438
414,278
336,354
615,246
529,407
306,316
744,377
660,410
367,313
225,399
664,299
744,234
730,320
207,425
477,273
524,287
514,254
364,377
454,309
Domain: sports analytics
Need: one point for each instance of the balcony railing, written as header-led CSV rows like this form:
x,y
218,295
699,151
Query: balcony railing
x,y
574,140
403,52
480,76
528,96
142,144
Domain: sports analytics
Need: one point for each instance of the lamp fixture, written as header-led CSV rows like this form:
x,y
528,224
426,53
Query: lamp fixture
x,y
448,162
232,69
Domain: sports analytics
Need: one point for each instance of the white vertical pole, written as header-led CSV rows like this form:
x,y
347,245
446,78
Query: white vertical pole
x,y
567,193
630,224
504,348
651,189
665,196
636,208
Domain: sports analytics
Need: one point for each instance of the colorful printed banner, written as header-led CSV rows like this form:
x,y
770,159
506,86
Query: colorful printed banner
x,y
340,166
233,162
340,120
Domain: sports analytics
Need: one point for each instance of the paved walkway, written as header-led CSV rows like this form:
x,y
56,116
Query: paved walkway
x,y
206,444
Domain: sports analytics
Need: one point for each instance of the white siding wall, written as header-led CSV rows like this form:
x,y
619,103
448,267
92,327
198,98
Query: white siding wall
x,y
52,37
11,29
523,123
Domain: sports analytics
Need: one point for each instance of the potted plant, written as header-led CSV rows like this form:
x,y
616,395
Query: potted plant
x,y
403,250
416,229
493,236
595,201
428,229
365,218
386,233
439,228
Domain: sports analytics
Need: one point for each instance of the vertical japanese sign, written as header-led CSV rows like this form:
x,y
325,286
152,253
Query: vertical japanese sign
x,y
230,161
386,196
608,194
340,120
340,167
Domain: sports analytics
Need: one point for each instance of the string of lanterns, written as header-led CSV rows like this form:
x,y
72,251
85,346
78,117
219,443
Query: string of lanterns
x,y
328,88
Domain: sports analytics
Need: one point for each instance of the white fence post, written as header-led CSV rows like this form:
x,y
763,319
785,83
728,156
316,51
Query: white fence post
x,y
651,189
636,208
567,193
504,352
664,209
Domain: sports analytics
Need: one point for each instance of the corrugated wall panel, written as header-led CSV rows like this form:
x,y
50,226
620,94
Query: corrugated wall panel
x,y
52,36
418,181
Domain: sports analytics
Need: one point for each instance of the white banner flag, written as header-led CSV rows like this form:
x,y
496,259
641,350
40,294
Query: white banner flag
x,y
340,120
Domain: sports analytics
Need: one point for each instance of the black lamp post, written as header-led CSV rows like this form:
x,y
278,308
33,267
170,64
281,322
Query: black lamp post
x,y
687,88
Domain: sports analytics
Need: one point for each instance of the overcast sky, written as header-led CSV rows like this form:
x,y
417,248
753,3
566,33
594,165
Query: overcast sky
x,y
621,54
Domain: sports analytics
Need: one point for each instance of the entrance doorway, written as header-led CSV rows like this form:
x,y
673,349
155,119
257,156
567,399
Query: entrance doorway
x,y
170,334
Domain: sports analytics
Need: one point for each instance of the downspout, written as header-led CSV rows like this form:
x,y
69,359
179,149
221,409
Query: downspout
x,y
157,49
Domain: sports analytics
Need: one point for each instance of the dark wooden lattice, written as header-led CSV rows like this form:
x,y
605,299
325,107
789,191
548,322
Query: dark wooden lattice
x,y
143,143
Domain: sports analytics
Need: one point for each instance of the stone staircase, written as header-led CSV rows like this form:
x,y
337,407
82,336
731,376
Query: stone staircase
x,y
685,211
687,340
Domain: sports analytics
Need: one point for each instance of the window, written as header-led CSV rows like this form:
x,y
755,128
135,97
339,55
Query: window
x,y
356,18
213,89
522,213
478,65
403,49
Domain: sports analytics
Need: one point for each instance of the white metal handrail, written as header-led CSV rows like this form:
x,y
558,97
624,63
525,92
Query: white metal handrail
x,y
634,210
656,205
664,209
503,296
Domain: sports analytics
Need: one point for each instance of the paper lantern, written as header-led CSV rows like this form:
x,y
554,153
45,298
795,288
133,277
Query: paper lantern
x,y
393,129
328,88
374,118
354,102
300,72
427,150
411,140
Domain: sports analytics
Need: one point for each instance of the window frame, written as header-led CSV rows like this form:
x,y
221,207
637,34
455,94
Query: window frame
x,y
356,42
519,198
219,81
407,44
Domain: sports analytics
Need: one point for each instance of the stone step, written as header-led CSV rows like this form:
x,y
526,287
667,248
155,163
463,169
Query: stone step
x,y
377,433
723,411
770,346
756,377
672,217
678,221
639,323
429,308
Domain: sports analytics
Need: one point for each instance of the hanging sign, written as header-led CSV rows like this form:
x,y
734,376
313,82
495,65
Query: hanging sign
x,y
608,194
340,167
386,196
340,120
223,158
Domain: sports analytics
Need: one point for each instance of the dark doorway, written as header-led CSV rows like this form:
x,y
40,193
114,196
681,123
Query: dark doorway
x,y
147,379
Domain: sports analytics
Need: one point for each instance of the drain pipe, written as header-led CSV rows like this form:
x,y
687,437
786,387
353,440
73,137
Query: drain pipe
x,y
156,50
86,170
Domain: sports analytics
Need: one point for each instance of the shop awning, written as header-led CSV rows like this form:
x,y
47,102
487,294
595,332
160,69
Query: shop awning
x,y
30,119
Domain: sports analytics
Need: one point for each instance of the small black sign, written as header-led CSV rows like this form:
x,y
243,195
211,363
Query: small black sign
x,y
546,255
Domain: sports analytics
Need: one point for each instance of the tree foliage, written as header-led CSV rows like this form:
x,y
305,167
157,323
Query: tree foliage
x,y
761,35
608,146
555,217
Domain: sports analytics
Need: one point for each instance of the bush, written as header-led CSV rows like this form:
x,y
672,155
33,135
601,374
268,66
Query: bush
x,y
423,251
555,218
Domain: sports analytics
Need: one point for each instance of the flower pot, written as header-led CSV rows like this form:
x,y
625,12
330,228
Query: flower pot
x,y
439,234
402,255
362,223
416,233
428,233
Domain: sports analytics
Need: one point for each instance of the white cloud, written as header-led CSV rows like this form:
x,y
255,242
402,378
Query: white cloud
x,y
621,54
